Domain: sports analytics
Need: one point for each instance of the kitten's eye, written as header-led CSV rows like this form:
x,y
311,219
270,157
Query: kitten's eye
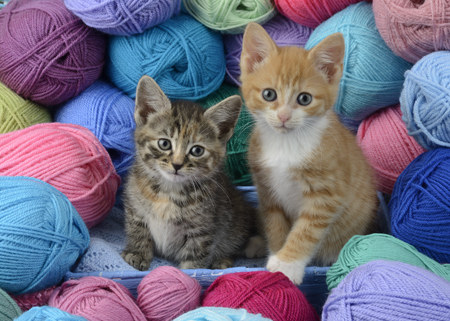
x,y
164,144
304,99
269,94
197,151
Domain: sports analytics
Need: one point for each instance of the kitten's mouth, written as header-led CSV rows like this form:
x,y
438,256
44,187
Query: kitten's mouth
x,y
174,176
282,128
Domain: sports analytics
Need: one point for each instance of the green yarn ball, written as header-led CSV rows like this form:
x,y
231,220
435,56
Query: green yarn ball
x,y
230,16
18,113
360,250
9,310
236,164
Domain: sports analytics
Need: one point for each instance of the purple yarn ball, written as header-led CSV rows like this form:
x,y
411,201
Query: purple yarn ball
x,y
47,54
283,31
389,290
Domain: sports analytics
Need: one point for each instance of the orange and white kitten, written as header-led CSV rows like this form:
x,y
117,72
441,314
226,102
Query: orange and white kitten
x,y
316,189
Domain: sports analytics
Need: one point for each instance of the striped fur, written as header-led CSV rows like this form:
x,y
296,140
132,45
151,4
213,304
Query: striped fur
x,y
316,189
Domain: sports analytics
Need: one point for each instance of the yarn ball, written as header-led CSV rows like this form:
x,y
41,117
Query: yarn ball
x,y
229,16
271,294
27,301
184,57
425,100
420,204
123,18
236,164
413,29
70,158
387,146
166,293
220,314
17,113
109,114
96,299
361,249
41,235
311,13
48,54
9,310
283,31
373,75
389,290
47,313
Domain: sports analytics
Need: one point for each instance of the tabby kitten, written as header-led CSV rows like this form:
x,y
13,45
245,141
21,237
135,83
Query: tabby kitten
x,y
179,204
316,189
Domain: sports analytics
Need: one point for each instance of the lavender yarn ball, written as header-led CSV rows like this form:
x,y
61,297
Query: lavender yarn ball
x,y
283,31
389,290
123,17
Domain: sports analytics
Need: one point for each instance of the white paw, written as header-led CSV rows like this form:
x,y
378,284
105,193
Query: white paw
x,y
293,270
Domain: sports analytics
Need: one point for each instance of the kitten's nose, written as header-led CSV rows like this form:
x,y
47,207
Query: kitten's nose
x,y
284,114
177,166
284,118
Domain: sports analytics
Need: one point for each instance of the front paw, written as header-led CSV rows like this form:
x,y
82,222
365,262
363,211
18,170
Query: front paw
x,y
293,270
139,261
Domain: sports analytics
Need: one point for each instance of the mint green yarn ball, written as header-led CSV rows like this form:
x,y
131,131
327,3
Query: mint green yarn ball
x,y
236,164
9,310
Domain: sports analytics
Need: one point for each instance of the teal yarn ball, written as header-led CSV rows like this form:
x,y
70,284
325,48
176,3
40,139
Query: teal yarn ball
x,y
9,310
41,235
184,57
46,313
220,314
236,164
425,100
373,75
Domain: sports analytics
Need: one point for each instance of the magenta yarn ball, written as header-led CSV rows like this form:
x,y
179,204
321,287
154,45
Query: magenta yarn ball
x,y
282,30
48,55
166,293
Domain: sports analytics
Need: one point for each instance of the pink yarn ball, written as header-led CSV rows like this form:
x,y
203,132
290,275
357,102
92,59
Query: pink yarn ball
x,y
413,28
166,293
96,299
48,55
311,13
68,157
385,142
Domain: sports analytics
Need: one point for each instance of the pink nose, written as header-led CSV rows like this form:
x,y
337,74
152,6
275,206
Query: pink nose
x,y
284,118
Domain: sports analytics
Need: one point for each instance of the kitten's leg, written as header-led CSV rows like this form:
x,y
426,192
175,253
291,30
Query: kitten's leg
x,y
222,264
304,239
195,252
276,227
139,249
256,247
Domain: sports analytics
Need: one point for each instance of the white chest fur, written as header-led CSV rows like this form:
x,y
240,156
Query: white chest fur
x,y
283,154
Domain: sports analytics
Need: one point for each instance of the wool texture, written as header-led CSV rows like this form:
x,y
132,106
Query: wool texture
x,y
220,314
47,313
184,57
389,290
420,204
123,18
425,100
40,298
68,157
373,75
41,235
9,310
48,54
413,29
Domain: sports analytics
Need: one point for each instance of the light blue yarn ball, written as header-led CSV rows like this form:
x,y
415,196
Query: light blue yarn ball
x,y
123,17
220,314
184,57
425,100
373,75
47,313
41,235
109,114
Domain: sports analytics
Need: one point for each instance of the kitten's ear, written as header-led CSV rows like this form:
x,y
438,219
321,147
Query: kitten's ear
x,y
149,99
328,56
225,115
256,47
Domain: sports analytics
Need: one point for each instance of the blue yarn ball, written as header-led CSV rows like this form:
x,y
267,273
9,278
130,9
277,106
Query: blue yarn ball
x,y
425,100
109,114
420,204
373,75
123,17
184,57
220,314
47,313
41,235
